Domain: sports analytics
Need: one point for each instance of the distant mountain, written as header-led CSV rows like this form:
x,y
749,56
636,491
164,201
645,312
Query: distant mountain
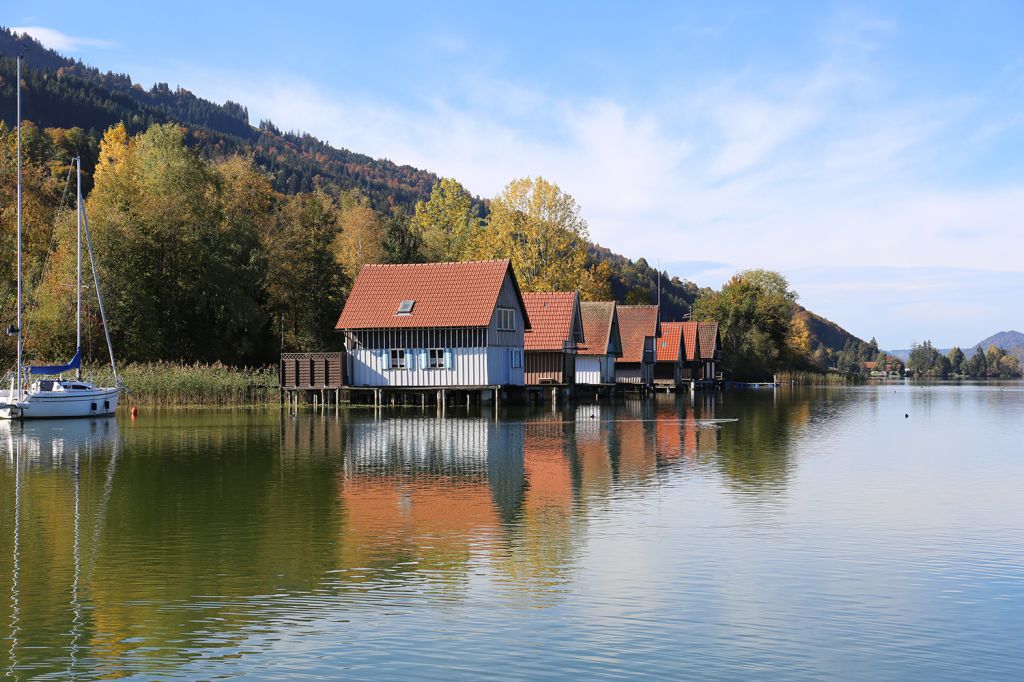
x,y
1011,341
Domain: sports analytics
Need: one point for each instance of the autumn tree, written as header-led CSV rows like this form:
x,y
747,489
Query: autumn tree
x,y
541,230
447,224
360,239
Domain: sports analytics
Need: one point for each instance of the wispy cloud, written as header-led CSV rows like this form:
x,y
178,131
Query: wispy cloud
x,y
60,41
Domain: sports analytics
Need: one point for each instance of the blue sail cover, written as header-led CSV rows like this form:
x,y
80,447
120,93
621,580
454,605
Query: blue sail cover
x,y
74,363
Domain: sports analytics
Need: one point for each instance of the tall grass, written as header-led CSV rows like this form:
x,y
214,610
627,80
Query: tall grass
x,y
805,378
169,383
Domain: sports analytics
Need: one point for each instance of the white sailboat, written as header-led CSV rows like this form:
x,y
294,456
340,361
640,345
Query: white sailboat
x,y
54,396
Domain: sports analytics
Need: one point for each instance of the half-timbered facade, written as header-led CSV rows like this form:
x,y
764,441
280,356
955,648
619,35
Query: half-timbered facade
x,y
435,325
556,331
595,357
639,327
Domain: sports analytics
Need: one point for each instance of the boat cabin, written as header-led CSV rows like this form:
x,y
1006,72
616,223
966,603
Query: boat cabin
x,y
556,331
669,355
595,357
435,325
639,327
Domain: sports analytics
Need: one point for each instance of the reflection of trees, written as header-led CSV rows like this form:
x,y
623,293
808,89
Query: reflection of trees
x,y
199,516
755,453
201,505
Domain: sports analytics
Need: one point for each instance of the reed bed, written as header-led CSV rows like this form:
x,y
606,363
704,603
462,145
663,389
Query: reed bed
x,y
168,383
805,378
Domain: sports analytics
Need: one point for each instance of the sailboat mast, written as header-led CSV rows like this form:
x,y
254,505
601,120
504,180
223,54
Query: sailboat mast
x,y
18,370
78,272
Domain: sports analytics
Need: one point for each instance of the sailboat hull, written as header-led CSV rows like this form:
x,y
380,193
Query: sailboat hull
x,y
98,402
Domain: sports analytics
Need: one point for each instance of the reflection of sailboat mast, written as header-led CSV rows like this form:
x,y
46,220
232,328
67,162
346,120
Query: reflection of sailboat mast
x,y
76,607
101,513
15,567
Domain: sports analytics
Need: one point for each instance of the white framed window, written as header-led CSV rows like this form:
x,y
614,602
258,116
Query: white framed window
x,y
506,319
517,358
397,358
435,358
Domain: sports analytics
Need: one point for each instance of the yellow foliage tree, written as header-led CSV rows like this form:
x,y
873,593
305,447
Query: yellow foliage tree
x,y
447,224
361,239
541,230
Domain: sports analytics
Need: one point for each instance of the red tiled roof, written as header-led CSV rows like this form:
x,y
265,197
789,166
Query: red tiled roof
x,y
445,295
708,335
669,343
597,326
551,319
635,323
690,341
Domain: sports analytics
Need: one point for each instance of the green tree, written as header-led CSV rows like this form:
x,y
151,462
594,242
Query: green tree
x,y
305,283
178,275
401,243
447,224
754,310
956,360
977,366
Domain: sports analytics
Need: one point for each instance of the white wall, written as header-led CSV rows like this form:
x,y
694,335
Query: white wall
x,y
470,367
588,369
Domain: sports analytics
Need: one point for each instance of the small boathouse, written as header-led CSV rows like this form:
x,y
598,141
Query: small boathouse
x,y
555,334
595,358
435,326
639,327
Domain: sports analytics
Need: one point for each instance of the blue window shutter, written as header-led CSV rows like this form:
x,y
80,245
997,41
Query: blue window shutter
x,y
424,359
449,359
410,359
385,359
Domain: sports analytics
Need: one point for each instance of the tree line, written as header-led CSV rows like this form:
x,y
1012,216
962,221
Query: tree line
x,y
204,260
926,360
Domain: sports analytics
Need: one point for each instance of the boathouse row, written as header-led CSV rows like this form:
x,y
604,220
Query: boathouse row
x,y
435,325
467,326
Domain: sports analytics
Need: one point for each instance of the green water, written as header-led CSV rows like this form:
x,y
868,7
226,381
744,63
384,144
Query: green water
x,y
824,534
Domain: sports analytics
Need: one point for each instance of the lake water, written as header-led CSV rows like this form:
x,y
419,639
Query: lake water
x,y
823,534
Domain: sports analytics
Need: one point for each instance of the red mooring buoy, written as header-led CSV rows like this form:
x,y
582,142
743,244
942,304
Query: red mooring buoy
x,y
135,412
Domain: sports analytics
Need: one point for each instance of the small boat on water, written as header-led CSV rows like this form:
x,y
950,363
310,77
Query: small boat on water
x,y
58,397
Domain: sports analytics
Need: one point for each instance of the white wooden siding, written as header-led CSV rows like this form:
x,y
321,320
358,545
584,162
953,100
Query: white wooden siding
x,y
588,369
370,367
470,367
595,369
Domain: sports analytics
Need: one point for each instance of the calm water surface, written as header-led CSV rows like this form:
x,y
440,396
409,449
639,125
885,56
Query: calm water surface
x,y
823,534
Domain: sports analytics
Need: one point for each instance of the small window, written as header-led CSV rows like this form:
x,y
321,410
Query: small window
x,y
506,319
92,406
397,358
405,307
106,404
517,358
436,358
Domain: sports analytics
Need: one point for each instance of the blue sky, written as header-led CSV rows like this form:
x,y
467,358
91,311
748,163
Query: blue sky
x,y
873,153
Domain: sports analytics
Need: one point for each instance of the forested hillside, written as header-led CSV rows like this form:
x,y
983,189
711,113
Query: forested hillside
x,y
68,94
225,241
